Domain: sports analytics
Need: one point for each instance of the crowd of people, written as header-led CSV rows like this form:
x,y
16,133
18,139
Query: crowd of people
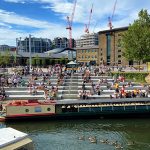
x,y
120,91
41,80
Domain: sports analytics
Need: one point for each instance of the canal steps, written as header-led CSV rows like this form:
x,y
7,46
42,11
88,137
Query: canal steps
x,y
68,90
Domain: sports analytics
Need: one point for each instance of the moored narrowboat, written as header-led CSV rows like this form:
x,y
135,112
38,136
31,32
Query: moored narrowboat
x,y
30,109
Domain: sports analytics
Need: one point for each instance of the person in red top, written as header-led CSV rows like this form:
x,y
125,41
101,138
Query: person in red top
x,y
123,89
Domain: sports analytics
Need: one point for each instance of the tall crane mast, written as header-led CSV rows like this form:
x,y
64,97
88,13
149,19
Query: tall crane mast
x,y
87,26
111,18
70,21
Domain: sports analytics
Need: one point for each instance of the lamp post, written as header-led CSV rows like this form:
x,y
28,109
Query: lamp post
x,y
30,57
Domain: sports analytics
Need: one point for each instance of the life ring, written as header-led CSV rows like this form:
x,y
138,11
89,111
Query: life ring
x,y
2,119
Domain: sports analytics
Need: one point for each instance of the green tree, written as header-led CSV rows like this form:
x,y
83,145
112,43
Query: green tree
x,y
37,58
63,60
6,58
1,59
43,62
53,61
136,41
27,61
34,61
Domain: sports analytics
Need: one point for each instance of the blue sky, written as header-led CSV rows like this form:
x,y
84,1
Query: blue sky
x,y
47,18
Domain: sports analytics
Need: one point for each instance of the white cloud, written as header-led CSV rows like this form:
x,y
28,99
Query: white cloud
x,y
15,1
126,12
12,18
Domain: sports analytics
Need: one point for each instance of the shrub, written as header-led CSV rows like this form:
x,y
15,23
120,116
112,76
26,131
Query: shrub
x,y
133,76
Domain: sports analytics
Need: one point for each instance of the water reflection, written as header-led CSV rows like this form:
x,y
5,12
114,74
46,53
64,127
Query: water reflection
x,y
77,134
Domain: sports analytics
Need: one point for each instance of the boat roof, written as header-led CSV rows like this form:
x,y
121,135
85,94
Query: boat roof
x,y
10,136
95,101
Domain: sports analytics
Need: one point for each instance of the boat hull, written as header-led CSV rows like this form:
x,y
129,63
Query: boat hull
x,y
84,115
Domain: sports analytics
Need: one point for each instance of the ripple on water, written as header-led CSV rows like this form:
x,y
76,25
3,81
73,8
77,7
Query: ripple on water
x,y
64,135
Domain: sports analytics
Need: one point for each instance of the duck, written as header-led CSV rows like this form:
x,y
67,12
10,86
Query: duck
x,y
104,141
130,143
93,139
118,146
81,138
113,143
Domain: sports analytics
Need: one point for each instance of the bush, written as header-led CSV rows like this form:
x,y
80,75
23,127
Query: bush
x,y
133,76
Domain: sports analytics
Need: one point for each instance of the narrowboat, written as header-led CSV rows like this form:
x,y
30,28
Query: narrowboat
x,y
103,108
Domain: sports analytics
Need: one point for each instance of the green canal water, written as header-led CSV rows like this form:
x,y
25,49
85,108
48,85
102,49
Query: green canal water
x,y
64,134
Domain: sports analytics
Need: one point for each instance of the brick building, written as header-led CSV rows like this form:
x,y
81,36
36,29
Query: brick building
x,y
87,54
110,49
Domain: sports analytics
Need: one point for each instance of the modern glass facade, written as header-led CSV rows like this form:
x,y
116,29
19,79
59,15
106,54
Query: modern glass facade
x,y
38,45
71,55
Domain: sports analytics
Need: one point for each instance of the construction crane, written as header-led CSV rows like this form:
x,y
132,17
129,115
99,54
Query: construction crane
x,y
87,26
110,19
70,21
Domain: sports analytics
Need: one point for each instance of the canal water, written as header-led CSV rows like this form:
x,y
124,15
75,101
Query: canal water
x,y
132,134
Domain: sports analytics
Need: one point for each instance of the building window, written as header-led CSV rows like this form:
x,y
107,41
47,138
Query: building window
x,y
119,42
82,51
88,56
101,59
95,56
101,54
119,56
101,49
119,34
119,50
119,61
92,56
108,48
82,56
88,50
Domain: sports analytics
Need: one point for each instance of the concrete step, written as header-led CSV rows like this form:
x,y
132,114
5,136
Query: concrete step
x,y
15,97
21,93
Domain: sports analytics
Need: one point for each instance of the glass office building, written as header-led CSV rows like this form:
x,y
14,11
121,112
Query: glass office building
x,y
38,45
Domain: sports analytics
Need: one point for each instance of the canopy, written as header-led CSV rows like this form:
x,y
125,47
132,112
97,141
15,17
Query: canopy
x,y
71,63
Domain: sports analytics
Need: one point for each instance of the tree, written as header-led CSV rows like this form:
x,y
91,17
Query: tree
x,y
6,58
1,59
62,60
136,41
37,58
43,62
27,61
34,62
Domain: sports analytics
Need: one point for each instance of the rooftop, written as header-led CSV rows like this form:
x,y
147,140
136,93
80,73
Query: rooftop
x,y
114,30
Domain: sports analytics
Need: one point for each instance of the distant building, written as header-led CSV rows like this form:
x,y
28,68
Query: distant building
x,y
68,53
62,42
87,40
7,48
110,48
87,54
87,48
38,45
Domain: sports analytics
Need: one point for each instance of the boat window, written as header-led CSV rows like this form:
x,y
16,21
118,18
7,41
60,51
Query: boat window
x,y
38,109
27,110
48,109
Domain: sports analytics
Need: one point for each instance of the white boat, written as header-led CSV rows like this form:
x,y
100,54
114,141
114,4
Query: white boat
x,y
11,139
